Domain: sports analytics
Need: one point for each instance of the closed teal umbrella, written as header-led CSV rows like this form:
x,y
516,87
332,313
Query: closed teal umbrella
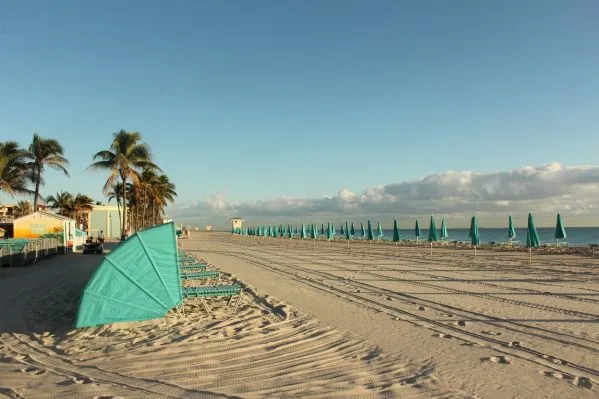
x,y
362,230
432,231
322,227
347,232
474,234
342,230
332,227
395,230
379,231
560,231
232,230
444,233
329,231
417,231
290,231
370,233
532,237
511,231
303,233
352,230
313,232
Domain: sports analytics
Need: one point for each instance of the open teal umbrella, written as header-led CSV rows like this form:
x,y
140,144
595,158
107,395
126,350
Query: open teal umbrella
x,y
444,233
352,230
560,231
362,230
370,233
511,231
379,231
417,231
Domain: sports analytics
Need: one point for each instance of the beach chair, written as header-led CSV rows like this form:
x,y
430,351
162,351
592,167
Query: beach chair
x,y
214,291
197,266
205,275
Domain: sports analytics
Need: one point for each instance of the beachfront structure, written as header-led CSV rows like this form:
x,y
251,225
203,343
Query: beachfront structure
x,y
236,223
43,224
106,218
208,227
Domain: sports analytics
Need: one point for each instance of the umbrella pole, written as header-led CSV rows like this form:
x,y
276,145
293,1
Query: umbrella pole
x,y
529,256
431,247
475,252
396,248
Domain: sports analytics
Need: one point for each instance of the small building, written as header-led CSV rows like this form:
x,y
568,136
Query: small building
x,y
45,225
236,223
208,227
106,218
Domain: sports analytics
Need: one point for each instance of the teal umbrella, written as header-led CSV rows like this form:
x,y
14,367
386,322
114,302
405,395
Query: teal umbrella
x,y
532,237
347,232
342,230
379,230
313,232
362,230
303,234
417,231
329,231
432,230
322,228
370,233
268,231
560,231
474,234
284,231
511,231
395,230
352,231
444,233
332,227
290,231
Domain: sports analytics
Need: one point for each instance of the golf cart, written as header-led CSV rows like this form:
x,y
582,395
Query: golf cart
x,y
94,244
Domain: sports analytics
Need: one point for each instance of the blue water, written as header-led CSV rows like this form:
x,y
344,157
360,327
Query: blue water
x,y
577,236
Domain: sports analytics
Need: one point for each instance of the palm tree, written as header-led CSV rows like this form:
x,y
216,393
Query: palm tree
x,y
82,204
125,157
15,175
164,192
63,202
116,192
23,208
45,152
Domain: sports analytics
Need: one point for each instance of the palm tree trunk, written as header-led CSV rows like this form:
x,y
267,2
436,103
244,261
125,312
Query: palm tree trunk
x,y
38,179
118,205
124,224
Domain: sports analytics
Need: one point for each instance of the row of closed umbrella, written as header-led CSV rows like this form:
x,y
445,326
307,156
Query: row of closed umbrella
x,y
348,231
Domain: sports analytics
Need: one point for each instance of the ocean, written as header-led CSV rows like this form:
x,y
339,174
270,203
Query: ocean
x,y
577,236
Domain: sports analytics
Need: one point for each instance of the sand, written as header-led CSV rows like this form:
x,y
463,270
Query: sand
x,y
317,322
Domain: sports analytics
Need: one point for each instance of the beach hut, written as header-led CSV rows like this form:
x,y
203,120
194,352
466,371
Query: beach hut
x,y
138,280
43,224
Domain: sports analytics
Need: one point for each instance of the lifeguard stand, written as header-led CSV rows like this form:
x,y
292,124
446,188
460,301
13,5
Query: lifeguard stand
x,y
236,223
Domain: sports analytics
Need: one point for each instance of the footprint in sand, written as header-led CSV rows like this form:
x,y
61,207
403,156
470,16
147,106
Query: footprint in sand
x,y
555,360
33,371
515,344
497,359
492,332
421,308
442,335
582,382
461,323
82,380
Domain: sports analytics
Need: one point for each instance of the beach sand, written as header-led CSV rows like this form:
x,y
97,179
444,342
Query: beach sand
x,y
317,322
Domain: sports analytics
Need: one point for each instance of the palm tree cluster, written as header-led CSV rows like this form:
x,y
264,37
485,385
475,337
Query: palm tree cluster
x,y
22,168
74,206
135,181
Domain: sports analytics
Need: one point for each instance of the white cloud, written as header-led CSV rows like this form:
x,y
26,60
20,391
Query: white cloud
x,y
544,189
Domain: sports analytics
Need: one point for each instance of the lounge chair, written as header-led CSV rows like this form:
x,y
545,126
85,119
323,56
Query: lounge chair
x,y
200,275
214,291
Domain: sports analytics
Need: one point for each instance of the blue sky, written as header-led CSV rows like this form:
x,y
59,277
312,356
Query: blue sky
x,y
258,99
